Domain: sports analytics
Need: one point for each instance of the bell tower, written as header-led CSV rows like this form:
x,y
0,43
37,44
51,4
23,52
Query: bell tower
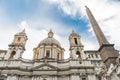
x,y
76,47
17,47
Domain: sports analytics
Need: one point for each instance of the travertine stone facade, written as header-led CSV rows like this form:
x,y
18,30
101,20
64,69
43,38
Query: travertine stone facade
x,y
48,61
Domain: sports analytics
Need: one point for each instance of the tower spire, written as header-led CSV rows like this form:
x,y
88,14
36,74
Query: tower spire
x,y
98,32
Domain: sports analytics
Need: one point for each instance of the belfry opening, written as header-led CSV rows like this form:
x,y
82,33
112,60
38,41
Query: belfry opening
x,y
12,55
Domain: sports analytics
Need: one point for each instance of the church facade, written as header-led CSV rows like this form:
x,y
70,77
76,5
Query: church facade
x,y
48,59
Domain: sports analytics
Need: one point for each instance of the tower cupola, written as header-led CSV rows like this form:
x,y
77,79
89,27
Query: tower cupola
x,y
76,47
17,47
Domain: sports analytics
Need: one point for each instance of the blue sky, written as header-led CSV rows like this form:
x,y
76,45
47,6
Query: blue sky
x,y
18,10
39,16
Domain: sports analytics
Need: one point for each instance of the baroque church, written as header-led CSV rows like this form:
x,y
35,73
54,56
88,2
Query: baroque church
x,y
48,61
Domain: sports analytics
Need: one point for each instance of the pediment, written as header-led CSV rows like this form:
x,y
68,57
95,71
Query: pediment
x,y
45,67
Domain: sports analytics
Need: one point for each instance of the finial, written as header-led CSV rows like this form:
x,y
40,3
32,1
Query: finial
x,y
73,31
23,30
50,34
50,30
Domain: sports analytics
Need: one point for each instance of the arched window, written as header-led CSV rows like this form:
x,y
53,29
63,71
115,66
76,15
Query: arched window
x,y
12,55
3,77
47,54
75,39
78,54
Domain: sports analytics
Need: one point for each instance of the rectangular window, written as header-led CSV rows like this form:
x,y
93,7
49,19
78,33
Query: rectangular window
x,y
96,55
18,40
58,55
83,78
47,54
88,56
75,40
92,55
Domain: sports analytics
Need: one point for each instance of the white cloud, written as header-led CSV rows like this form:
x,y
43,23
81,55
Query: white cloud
x,y
61,32
105,11
36,27
70,7
35,36
23,25
6,30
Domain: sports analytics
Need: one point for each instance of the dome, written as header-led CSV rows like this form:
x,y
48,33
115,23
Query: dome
x,y
50,40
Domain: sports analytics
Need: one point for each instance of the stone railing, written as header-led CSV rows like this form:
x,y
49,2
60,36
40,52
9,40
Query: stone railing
x,y
82,63
15,64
